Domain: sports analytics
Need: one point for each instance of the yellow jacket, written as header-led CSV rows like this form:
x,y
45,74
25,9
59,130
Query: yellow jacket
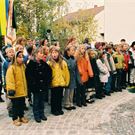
x,y
120,60
16,80
60,77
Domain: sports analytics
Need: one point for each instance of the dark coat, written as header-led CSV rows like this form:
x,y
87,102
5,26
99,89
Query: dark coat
x,y
38,76
91,82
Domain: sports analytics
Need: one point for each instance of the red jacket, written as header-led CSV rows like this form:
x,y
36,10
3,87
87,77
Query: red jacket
x,y
126,60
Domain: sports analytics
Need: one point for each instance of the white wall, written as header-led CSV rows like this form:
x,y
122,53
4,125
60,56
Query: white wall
x,y
100,21
119,20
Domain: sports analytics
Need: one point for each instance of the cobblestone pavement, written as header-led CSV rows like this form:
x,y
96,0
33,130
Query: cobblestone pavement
x,y
113,115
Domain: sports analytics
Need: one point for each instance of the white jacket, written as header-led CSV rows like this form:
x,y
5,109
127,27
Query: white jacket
x,y
103,71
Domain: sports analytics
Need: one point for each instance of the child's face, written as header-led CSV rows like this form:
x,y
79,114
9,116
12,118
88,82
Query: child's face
x,y
23,42
92,54
82,49
10,54
21,48
125,47
71,51
19,58
39,55
55,55
110,50
47,50
118,49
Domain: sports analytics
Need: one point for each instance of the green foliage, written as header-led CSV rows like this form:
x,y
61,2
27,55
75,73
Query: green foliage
x,y
35,16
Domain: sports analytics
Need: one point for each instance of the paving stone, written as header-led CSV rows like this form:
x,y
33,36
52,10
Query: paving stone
x,y
113,115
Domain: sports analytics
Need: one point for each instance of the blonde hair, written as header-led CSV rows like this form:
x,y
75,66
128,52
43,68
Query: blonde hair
x,y
78,53
60,58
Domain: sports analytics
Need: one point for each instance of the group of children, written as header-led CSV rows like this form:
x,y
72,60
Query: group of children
x,y
44,73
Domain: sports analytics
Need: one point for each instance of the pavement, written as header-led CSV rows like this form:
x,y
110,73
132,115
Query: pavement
x,y
113,115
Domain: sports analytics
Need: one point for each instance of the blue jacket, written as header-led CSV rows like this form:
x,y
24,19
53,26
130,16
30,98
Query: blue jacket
x,y
73,70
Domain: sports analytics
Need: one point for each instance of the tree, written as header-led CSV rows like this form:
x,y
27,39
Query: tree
x,y
37,15
81,26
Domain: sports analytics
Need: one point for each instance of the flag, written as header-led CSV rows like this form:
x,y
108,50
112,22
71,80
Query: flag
x,y
3,21
10,38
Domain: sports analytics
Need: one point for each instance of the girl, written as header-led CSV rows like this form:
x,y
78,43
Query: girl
x,y
9,56
120,65
60,79
17,88
95,81
38,75
74,77
85,71
103,70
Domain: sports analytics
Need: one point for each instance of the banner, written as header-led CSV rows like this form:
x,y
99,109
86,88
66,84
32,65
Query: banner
x,y
10,38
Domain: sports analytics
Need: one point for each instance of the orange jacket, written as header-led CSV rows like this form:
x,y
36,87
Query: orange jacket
x,y
85,69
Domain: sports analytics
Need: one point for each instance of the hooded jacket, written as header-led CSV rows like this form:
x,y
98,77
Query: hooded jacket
x,y
16,80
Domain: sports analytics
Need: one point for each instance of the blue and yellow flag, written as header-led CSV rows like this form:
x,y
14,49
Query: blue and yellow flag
x,y
3,16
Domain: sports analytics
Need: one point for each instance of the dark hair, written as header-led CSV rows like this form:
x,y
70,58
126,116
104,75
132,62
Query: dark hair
x,y
86,41
133,43
100,54
108,47
29,50
43,40
4,49
123,40
15,56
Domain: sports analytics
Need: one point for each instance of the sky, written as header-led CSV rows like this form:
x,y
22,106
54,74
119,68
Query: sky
x,y
75,5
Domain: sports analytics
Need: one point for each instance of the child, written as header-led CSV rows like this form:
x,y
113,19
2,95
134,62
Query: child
x,y
126,55
109,62
119,63
72,66
38,75
132,64
103,70
60,79
9,56
85,71
95,81
17,88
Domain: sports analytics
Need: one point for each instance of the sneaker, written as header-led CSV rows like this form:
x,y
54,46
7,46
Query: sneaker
x,y
24,120
79,105
107,94
68,108
38,120
90,101
73,107
61,112
56,113
98,97
17,123
44,118
84,104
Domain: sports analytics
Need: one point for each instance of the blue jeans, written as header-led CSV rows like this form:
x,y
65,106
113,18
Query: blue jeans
x,y
38,105
108,84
